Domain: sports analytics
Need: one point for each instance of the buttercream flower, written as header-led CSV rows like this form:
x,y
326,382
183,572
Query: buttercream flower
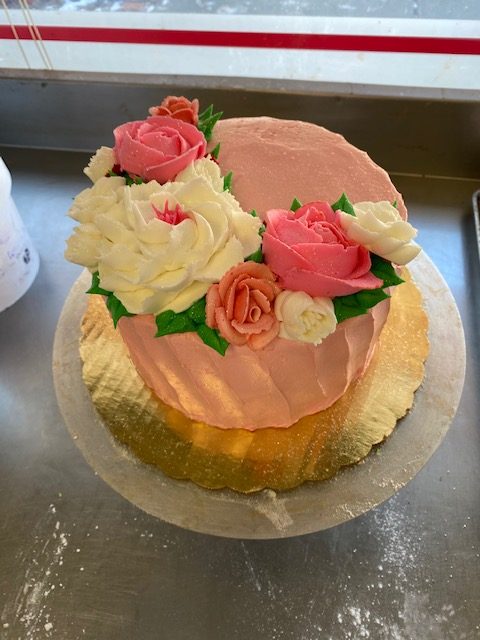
x,y
87,243
241,306
379,227
101,197
245,227
304,318
157,148
177,107
83,246
159,247
100,164
310,252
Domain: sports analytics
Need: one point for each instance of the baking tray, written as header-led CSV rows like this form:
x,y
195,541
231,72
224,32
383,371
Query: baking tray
x,y
476,216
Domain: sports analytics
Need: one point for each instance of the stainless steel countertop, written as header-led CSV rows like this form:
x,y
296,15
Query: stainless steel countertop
x,y
79,561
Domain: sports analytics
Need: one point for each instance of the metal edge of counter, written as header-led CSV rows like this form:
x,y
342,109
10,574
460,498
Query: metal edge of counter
x,y
429,131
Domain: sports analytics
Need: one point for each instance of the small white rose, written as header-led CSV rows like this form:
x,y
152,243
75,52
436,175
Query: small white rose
x,y
304,318
379,227
100,164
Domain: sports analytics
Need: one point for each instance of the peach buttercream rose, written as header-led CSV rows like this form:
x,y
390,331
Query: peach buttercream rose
x,y
241,306
177,107
157,148
310,252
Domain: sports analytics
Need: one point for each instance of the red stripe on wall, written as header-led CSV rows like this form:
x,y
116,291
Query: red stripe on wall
x,y
336,42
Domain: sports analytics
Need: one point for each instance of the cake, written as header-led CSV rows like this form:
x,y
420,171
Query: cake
x,y
247,263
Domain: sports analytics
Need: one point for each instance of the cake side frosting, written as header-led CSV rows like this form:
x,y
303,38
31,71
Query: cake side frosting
x,y
272,387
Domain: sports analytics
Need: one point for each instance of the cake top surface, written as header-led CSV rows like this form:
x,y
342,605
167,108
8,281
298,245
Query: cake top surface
x,y
274,160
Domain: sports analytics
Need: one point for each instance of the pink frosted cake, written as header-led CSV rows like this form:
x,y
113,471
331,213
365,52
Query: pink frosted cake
x,y
248,262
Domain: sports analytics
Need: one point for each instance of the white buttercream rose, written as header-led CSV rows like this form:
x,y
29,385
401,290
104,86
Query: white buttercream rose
x,y
379,227
100,164
304,318
152,260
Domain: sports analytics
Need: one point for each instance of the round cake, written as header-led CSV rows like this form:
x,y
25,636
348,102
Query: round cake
x,y
292,296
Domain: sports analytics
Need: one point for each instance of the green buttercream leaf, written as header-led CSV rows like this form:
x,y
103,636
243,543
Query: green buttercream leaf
x,y
344,204
253,213
357,304
384,270
395,204
196,312
117,310
227,181
181,323
170,322
370,298
206,113
191,320
164,319
207,120
129,180
212,338
257,256
296,204
214,152
96,288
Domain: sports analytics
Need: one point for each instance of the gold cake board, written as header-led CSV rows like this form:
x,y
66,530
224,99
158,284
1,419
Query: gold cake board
x,y
313,449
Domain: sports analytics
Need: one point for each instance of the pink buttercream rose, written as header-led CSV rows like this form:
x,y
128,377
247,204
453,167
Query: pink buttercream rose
x,y
177,107
241,306
157,148
309,252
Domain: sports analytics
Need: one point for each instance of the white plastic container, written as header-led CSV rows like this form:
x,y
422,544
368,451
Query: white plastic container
x,y
19,260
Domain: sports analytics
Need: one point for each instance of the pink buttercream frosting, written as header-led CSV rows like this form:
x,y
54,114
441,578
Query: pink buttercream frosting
x,y
311,253
157,148
272,161
274,386
275,160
